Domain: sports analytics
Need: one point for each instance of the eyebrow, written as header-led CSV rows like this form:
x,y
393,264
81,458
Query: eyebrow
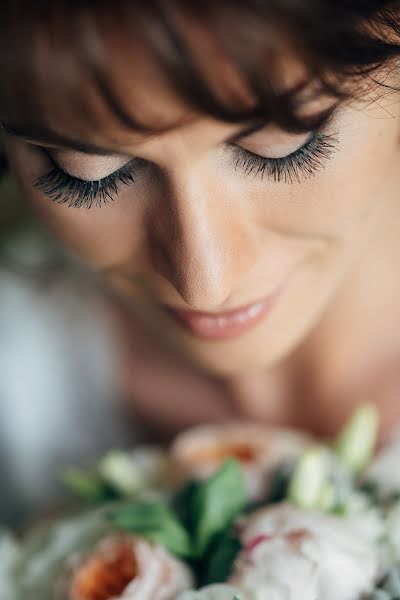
x,y
49,137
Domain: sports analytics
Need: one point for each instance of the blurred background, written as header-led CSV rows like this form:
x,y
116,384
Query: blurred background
x,y
58,367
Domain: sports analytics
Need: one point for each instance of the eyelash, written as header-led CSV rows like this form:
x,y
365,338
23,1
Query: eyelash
x,y
303,163
63,188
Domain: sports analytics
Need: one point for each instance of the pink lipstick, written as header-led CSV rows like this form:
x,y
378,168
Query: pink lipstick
x,y
224,325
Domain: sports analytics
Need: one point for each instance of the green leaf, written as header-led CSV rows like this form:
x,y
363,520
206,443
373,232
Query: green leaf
x,y
309,479
279,483
84,484
356,442
156,522
215,503
221,558
182,503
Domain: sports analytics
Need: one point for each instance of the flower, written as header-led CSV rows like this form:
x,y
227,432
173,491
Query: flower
x,y
259,449
82,558
293,553
277,570
123,567
217,591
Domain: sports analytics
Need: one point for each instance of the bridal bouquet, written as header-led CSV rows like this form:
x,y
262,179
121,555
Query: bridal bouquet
x,y
228,512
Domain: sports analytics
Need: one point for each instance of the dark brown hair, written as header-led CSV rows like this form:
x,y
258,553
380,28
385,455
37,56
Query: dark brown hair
x,y
67,63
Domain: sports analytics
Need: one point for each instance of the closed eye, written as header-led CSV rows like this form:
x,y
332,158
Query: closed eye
x,y
63,188
300,164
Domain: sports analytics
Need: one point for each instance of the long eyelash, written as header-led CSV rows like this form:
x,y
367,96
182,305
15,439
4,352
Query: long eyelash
x,y
63,188
301,164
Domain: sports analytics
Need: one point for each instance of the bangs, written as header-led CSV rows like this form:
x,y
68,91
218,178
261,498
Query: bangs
x,y
92,67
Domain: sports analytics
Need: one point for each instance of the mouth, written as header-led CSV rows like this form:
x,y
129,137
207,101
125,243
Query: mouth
x,y
224,325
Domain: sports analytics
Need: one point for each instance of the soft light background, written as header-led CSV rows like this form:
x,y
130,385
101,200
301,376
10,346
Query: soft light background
x,y
58,389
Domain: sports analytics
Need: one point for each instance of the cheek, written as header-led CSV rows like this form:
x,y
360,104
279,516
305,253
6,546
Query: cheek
x,y
102,237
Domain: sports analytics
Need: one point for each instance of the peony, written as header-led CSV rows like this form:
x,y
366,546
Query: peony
x,y
291,553
259,449
81,558
277,570
217,591
123,567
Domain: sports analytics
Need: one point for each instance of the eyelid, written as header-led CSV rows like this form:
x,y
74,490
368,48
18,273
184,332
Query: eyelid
x,y
278,148
99,168
64,188
319,124
301,164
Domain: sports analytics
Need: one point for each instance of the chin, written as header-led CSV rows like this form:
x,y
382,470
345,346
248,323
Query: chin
x,y
232,367
235,357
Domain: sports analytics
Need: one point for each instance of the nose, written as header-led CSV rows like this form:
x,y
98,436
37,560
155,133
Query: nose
x,y
202,243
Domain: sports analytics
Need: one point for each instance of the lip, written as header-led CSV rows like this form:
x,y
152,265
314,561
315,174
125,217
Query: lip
x,y
224,325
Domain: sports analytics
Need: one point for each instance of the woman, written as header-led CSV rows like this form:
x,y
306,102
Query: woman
x,y
231,169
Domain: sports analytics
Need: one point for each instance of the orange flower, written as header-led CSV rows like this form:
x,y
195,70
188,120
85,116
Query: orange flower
x,y
258,448
128,568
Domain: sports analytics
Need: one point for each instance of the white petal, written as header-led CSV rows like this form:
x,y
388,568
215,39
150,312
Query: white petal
x,y
213,592
160,575
289,553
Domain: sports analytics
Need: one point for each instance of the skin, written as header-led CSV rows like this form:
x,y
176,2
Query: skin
x,y
194,232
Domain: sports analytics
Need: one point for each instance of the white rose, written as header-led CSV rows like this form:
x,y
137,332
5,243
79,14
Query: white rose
x,y
259,449
218,591
290,553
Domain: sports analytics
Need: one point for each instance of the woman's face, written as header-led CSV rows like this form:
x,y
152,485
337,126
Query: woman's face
x,y
207,218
